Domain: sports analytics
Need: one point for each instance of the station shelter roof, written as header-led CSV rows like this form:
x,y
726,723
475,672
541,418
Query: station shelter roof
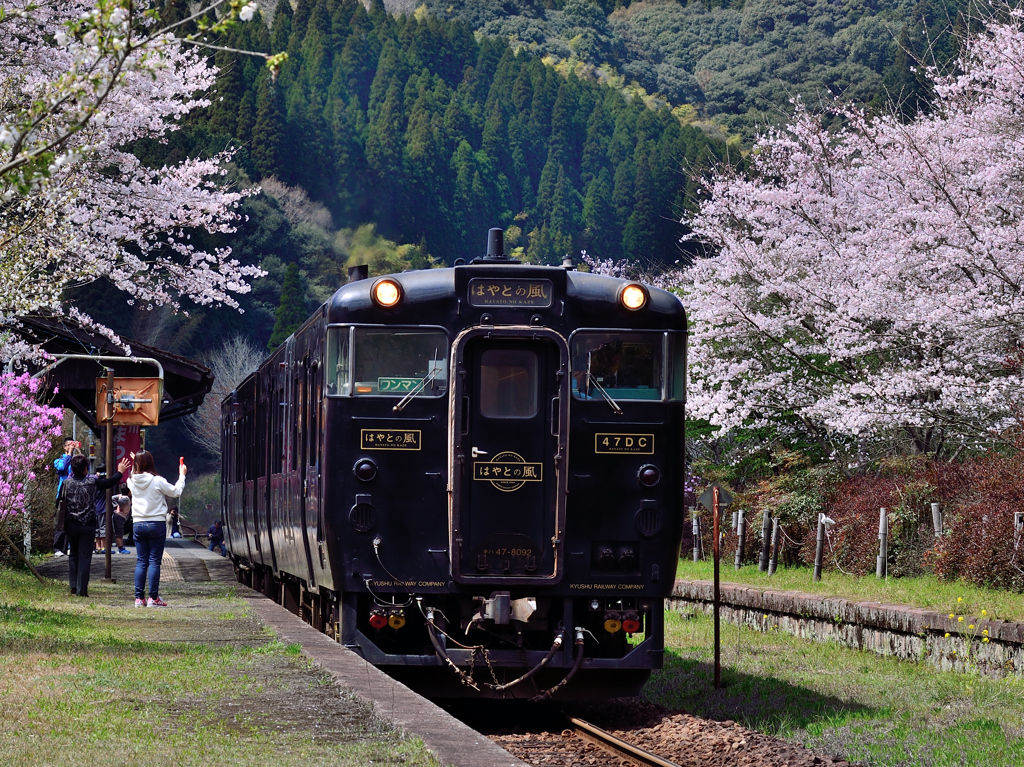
x,y
186,382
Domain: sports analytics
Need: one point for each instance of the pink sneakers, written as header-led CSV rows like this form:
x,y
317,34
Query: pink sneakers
x,y
140,602
158,602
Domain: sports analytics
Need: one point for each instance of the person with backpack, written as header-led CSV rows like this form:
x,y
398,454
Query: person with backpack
x,y
150,492
78,501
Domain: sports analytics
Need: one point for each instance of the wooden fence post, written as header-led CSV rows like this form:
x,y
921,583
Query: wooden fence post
x,y
881,568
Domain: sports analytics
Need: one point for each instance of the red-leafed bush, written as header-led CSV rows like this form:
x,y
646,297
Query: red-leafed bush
x,y
978,545
978,499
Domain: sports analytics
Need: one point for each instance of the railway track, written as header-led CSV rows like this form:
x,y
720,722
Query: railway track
x,y
633,732
627,752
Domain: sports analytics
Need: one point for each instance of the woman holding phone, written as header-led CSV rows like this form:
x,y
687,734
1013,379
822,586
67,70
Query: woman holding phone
x,y
150,492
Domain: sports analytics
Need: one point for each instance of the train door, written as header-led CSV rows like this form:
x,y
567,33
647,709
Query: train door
x,y
509,498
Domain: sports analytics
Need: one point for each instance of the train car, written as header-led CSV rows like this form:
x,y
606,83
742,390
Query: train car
x,y
471,476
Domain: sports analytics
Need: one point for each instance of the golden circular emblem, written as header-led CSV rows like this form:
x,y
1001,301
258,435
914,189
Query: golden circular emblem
x,y
505,475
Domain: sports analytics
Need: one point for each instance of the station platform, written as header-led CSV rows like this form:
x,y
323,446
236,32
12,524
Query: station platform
x,y
185,562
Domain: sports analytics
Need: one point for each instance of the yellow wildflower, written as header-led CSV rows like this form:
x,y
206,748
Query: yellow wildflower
x,y
985,632
951,615
985,639
960,619
971,626
984,613
959,600
947,635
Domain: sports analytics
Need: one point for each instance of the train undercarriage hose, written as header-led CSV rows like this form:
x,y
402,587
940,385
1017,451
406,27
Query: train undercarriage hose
x,y
465,678
572,672
551,654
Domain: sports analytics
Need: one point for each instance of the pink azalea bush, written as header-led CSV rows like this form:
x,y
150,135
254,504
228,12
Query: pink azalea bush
x,y
27,432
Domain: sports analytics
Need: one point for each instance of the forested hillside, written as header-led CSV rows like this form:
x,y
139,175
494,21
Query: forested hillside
x,y
738,62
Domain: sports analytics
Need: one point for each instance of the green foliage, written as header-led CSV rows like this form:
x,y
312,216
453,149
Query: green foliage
x,y
292,310
200,503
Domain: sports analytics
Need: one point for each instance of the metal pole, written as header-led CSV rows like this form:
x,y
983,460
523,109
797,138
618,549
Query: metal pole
x,y
883,544
773,560
696,536
1018,528
937,519
718,646
766,541
741,534
821,546
110,470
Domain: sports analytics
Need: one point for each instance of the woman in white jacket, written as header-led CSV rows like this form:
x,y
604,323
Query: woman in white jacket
x,y
150,492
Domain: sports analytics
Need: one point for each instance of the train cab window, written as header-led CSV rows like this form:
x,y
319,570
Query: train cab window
x,y
621,365
508,383
388,362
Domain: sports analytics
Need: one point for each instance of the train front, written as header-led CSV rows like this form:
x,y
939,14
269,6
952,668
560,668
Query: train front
x,y
504,462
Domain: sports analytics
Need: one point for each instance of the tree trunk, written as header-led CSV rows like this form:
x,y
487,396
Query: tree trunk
x,y
16,550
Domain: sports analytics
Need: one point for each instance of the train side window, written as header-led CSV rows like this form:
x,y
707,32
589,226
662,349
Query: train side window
x,y
338,360
508,383
625,365
677,355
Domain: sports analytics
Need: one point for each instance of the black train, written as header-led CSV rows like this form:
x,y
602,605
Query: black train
x,y
472,477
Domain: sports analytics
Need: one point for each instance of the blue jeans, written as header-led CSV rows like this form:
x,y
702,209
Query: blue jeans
x,y
149,547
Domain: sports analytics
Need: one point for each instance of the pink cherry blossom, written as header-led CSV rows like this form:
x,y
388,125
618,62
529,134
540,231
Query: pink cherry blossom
x,y
82,80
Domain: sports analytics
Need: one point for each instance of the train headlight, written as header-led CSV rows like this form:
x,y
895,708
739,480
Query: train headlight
x,y
386,293
633,296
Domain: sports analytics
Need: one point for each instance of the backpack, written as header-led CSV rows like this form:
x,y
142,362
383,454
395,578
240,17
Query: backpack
x,y
80,500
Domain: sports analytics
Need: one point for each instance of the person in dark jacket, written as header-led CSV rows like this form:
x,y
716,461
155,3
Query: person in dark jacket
x,y
78,499
216,536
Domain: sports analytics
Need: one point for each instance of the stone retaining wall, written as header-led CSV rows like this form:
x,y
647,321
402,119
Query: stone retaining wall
x,y
904,632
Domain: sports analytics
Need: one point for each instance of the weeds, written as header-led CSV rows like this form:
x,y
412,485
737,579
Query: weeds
x,y
867,708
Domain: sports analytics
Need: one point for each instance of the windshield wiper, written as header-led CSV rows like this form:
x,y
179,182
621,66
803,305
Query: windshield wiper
x,y
591,380
603,393
420,385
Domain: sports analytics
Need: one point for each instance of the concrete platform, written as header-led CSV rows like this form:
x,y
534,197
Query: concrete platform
x,y
452,742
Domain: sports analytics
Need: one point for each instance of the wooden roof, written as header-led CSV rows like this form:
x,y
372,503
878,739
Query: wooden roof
x,y
186,382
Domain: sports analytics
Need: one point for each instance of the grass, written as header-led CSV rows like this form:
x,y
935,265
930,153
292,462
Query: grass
x,y
867,708
926,591
98,683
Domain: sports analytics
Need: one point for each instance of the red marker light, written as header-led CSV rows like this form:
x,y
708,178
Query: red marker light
x,y
630,626
181,461
378,621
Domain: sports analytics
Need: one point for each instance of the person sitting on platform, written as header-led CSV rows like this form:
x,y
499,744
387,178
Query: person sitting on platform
x,y
216,536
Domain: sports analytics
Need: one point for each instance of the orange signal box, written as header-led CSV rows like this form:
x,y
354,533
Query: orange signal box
x,y
136,401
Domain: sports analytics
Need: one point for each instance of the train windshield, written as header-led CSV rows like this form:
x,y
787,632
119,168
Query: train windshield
x,y
621,365
389,362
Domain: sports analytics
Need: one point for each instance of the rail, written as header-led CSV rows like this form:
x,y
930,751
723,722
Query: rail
x,y
619,747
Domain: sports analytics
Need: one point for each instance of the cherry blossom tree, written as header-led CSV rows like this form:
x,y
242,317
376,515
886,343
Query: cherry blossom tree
x,y
236,359
80,81
869,282
27,432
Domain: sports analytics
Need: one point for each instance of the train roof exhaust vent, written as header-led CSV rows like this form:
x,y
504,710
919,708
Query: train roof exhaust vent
x,y
495,249
360,272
